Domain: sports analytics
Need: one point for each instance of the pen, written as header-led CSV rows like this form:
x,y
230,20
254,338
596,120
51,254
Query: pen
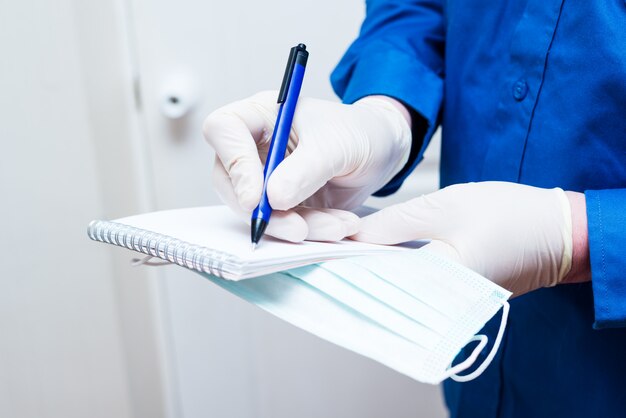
x,y
287,98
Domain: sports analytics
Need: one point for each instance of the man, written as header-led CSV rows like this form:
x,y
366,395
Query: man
x,y
529,93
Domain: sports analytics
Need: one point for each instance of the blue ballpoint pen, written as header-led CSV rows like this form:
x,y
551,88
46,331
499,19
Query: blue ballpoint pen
x,y
287,98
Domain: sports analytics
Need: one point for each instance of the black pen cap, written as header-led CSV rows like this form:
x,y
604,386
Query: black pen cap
x,y
298,54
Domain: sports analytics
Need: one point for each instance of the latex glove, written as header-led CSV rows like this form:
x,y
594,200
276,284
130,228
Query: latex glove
x,y
338,155
518,236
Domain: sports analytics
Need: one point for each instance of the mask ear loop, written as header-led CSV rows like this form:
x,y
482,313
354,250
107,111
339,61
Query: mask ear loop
x,y
452,372
145,261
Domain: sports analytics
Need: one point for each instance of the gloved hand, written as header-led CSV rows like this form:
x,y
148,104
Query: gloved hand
x,y
520,237
338,155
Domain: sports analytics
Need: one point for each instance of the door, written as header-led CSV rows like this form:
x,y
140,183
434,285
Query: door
x,y
231,359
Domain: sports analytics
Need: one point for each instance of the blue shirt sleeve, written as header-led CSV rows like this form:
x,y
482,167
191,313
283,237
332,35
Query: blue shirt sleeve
x,y
606,221
399,53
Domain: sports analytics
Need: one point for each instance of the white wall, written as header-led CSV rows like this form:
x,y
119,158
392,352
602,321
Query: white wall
x,y
60,345
67,327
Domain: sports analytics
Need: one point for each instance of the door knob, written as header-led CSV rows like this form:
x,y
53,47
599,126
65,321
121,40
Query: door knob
x,y
178,96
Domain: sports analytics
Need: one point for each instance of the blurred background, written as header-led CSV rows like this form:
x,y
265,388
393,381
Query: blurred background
x,y
101,108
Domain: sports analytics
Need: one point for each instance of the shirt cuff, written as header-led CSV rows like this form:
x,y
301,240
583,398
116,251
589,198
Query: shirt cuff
x,y
382,69
606,220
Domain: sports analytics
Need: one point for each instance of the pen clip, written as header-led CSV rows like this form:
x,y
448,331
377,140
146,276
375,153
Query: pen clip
x,y
291,63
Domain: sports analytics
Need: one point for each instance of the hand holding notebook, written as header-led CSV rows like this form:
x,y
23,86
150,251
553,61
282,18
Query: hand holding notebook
x,y
408,309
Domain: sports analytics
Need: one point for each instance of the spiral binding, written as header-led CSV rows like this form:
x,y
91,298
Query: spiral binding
x,y
167,248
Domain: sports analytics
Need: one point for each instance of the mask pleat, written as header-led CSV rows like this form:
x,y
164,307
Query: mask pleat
x,y
382,314
304,306
436,284
390,294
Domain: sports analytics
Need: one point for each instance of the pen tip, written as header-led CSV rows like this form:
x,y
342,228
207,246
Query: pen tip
x,y
253,246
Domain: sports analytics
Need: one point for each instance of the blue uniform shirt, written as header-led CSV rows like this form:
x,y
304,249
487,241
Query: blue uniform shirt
x,y
534,92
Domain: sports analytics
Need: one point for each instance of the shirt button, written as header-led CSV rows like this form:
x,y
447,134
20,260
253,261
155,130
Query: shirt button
x,y
520,90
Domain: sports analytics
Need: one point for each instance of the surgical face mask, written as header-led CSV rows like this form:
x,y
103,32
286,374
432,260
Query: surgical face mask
x,y
412,311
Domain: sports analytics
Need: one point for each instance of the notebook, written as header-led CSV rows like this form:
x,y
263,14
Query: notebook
x,y
214,240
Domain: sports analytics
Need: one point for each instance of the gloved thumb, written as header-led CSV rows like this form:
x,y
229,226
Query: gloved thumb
x,y
444,250
298,177
419,218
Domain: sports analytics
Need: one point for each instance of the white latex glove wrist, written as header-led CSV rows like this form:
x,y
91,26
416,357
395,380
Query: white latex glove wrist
x,y
338,155
517,236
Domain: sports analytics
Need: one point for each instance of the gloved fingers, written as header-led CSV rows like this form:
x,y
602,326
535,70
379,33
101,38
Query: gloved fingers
x,y
419,218
254,117
327,225
350,220
287,225
332,195
247,199
299,176
224,188
443,249
235,131
309,224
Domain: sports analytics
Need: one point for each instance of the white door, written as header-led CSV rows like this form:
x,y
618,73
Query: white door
x,y
231,359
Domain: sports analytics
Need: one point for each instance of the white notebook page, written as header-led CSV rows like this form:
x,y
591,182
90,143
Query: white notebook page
x,y
217,227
